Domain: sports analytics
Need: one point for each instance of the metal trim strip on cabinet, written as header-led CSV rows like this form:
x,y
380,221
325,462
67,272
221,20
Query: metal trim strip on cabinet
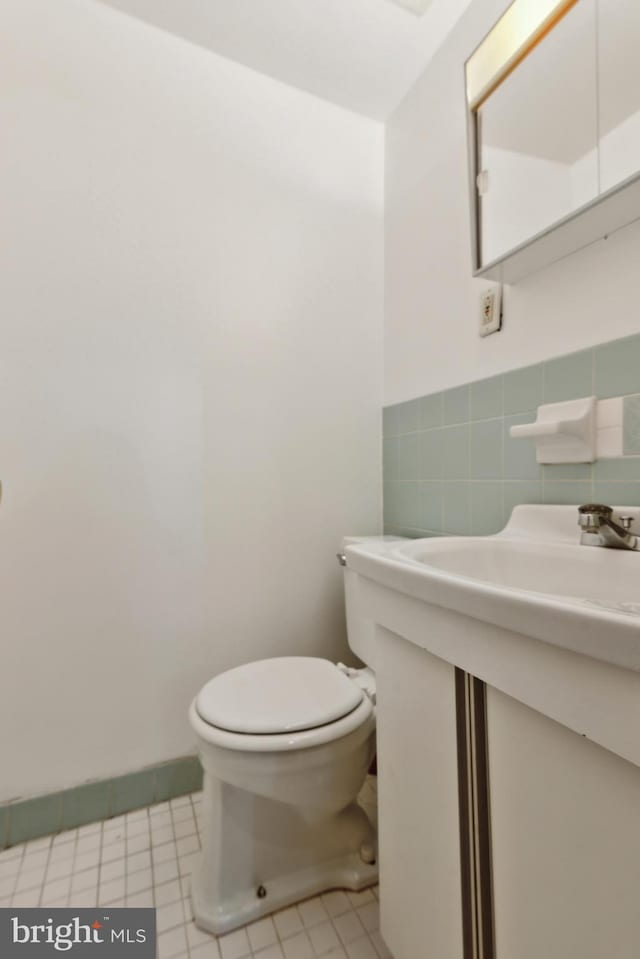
x,y
475,821
465,818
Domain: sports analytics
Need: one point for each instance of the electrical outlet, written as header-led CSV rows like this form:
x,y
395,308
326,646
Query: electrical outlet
x,y
490,311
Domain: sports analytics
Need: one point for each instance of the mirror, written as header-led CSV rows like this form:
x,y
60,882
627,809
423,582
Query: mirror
x,y
538,137
619,91
553,97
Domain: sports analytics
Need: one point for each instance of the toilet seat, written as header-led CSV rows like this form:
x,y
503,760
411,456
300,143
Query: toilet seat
x,y
316,690
362,717
287,694
281,704
281,695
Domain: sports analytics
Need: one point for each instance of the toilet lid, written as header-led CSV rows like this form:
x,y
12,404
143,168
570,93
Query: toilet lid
x,y
286,694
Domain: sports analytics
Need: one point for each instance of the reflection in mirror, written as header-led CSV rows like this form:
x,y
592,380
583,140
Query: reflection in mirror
x,y
619,68
537,136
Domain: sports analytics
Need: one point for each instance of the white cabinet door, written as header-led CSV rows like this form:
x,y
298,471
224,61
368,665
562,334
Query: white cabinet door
x,y
565,820
418,802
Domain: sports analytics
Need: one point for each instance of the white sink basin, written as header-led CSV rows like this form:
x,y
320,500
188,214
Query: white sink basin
x,y
533,578
574,573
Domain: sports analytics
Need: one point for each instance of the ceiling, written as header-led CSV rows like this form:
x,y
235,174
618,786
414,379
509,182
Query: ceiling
x,y
361,54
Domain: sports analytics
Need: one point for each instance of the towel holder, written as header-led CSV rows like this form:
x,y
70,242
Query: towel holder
x,y
563,432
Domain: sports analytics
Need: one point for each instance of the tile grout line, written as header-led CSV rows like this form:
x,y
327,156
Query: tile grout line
x,y
468,491
126,850
593,392
184,898
175,843
74,855
100,861
44,875
21,858
73,859
502,453
150,837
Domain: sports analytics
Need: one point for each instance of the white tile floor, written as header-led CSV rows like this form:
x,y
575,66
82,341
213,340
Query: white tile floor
x,y
144,859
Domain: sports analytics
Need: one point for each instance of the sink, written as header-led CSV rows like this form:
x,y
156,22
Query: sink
x,y
508,690
533,578
569,571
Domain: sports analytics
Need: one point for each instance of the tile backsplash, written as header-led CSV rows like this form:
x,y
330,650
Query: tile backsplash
x,y
451,467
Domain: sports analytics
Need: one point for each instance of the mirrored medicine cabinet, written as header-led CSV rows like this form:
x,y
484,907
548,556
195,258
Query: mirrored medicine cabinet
x,y
553,106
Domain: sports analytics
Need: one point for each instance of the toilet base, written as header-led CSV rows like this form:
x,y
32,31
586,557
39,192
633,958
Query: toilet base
x,y
350,873
242,876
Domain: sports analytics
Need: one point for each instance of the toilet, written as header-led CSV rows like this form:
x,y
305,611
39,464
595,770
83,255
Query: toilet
x,y
285,745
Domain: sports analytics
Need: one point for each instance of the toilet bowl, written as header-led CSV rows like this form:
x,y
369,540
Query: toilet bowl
x,y
285,745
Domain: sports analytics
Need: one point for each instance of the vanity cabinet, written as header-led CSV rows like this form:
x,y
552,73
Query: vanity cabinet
x,y
564,824
420,893
508,674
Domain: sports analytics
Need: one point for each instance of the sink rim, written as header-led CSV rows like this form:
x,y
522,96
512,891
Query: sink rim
x,y
583,556
601,633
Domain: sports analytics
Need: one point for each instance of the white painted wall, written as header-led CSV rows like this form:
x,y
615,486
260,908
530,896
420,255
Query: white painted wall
x,y
190,367
431,339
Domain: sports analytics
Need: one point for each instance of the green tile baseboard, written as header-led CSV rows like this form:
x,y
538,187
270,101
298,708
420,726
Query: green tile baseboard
x,y
26,819
451,467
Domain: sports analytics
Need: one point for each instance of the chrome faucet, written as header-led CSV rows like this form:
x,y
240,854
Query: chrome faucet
x,y
599,529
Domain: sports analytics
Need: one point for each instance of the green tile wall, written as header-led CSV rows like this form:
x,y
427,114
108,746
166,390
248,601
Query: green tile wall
x,y
451,467
30,818
4,826
631,442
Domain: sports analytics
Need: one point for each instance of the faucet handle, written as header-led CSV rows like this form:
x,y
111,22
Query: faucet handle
x,y
591,515
599,508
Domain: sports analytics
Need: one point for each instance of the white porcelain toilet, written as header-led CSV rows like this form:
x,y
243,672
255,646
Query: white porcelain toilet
x,y
285,745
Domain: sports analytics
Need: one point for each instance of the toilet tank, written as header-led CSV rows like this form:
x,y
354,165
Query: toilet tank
x,y
360,630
